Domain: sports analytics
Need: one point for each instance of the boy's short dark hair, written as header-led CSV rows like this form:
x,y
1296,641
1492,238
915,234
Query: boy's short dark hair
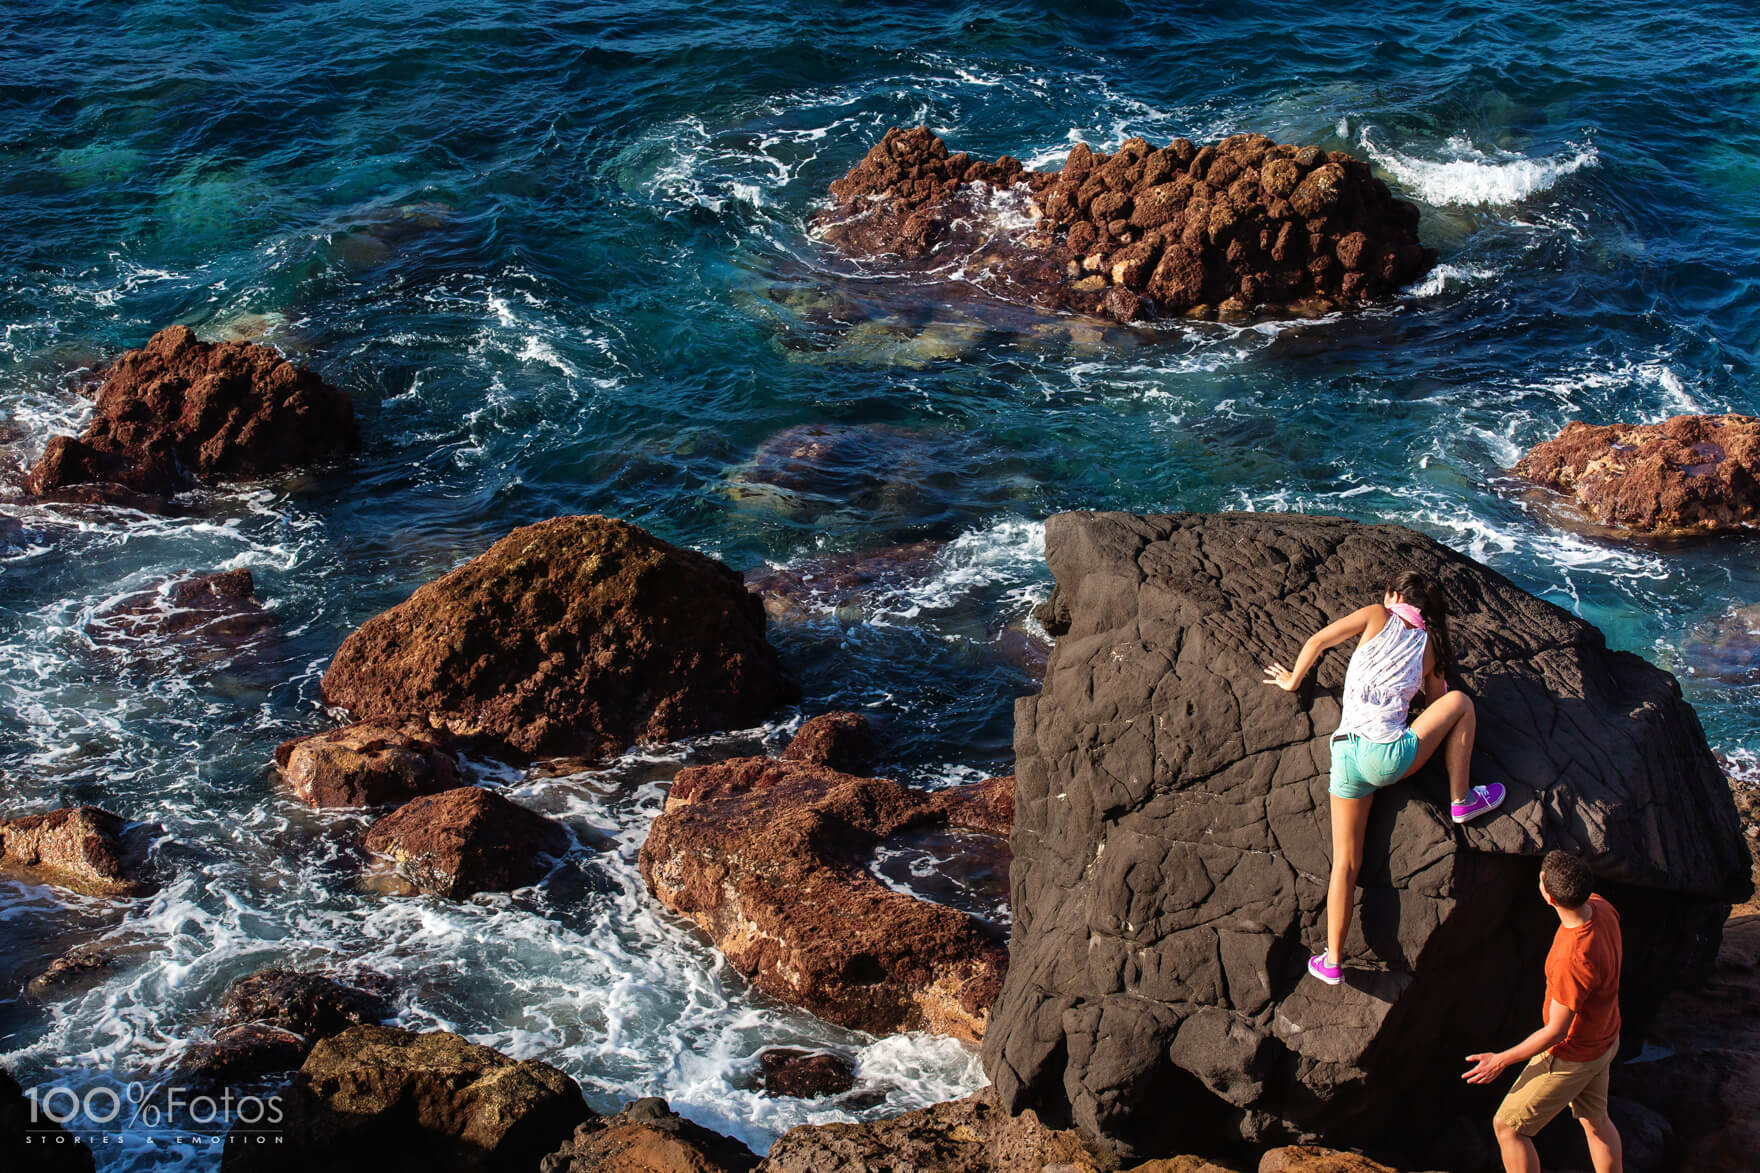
x,y
1566,878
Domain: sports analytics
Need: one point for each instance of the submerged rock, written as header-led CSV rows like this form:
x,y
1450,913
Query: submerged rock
x,y
578,635
1144,232
1691,474
199,615
178,413
375,1097
1172,842
648,1137
849,586
810,1075
85,848
467,840
768,857
367,764
1727,647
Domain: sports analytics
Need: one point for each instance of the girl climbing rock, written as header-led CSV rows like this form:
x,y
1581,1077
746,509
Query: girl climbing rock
x,y
1403,648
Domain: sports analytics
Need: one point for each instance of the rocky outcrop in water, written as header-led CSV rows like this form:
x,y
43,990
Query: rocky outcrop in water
x,y
179,413
578,635
1144,232
769,857
842,741
375,1098
648,1137
85,848
848,586
1172,843
271,1019
467,840
1691,474
367,764
810,1075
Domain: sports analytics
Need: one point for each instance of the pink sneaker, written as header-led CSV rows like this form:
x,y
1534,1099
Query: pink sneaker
x,y
1479,800
1330,974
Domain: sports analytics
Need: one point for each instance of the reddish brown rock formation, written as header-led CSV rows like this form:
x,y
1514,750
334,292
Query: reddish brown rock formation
x,y
366,765
648,1137
1144,232
578,635
375,1097
179,412
842,741
1307,1158
786,1071
769,857
84,848
973,1135
467,840
273,1018
1687,475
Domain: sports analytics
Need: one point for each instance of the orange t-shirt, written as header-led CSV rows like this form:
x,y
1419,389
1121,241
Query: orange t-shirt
x,y
1582,973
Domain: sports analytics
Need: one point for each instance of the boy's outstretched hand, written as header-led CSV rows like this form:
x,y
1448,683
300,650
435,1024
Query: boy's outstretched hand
x,y
1486,1067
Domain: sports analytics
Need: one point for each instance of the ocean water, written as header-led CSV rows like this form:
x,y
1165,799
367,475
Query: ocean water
x,y
561,256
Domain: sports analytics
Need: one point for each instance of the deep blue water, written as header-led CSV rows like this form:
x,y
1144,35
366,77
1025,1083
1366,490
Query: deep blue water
x,y
560,255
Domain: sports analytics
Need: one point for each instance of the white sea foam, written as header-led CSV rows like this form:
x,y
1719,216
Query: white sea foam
x,y
1466,175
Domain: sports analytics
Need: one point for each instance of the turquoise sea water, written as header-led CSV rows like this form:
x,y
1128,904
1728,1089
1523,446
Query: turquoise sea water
x,y
560,254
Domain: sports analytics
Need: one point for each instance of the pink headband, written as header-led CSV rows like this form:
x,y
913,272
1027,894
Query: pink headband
x,y
1409,613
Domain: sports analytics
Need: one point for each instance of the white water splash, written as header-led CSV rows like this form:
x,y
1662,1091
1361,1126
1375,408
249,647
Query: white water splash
x,y
1467,176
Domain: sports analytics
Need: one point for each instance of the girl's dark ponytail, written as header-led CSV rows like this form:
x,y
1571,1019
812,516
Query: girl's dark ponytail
x,y
1421,591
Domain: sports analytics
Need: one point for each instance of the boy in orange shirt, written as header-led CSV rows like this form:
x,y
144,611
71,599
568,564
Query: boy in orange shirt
x,y
1570,1057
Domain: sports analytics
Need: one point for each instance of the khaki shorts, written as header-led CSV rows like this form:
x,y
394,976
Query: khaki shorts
x,y
1547,1084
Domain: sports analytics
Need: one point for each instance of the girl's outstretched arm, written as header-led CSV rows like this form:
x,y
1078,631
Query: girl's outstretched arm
x,y
1330,636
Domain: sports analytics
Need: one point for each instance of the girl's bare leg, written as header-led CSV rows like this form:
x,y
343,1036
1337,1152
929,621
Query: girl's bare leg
x,y
1350,823
1451,722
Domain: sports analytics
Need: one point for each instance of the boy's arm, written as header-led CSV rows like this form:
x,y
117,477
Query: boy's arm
x,y
1487,1066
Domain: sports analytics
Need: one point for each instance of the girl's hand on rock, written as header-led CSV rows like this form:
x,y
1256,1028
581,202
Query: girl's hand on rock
x,y
1282,677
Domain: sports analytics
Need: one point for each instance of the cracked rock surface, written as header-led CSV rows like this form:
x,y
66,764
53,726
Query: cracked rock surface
x,y
1171,842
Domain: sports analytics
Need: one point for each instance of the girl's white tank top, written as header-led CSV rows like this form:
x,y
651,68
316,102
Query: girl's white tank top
x,y
1383,677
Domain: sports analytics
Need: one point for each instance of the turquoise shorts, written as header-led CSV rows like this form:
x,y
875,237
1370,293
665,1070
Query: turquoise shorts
x,y
1360,767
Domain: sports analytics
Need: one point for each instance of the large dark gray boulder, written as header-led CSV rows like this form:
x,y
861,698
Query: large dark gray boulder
x,y
1171,843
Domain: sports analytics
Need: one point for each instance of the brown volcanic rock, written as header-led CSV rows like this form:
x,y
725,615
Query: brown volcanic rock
x,y
273,1018
314,1005
648,1137
1686,475
972,1135
467,840
377,1098
1144,232
769,857
578,635
178,412
367,764
84,848
787,1071
842,741
1171,843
